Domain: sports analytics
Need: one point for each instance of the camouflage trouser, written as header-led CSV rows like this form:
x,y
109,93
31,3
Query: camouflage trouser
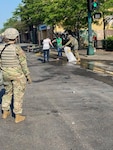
x,y
14,91
76,54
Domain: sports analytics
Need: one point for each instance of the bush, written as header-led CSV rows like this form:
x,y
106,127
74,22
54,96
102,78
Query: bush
x,y
110,38
108,43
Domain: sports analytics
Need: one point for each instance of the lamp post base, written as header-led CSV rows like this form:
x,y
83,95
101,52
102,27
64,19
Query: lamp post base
x,y
90,50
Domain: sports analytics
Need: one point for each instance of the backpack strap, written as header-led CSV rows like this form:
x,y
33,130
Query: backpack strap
x,y
3,49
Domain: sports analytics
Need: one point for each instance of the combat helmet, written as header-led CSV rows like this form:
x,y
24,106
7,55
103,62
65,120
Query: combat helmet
x,y
11,33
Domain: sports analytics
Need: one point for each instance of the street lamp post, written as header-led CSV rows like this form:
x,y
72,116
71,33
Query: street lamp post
x,y
92,5
90,49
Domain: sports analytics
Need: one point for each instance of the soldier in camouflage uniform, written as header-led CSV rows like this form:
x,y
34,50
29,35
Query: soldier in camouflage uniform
x,y
15,74
74,46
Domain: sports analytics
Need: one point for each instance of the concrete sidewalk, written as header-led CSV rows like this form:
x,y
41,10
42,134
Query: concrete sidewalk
x,y
101,61
99,55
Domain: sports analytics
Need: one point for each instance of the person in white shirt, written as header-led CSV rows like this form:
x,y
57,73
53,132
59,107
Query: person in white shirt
x,y
46,47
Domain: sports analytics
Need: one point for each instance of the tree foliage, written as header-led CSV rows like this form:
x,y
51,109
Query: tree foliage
x,y
69,13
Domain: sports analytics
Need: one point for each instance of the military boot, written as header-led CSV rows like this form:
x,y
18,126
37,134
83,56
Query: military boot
x,y
19,118
5,114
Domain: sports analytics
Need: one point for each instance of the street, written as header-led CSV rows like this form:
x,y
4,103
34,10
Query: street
x,y
67,107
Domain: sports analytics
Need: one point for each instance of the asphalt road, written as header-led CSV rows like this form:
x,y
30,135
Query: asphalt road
x,y
67,108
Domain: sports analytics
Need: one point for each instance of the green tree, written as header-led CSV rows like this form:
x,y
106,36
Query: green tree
x,y
71,14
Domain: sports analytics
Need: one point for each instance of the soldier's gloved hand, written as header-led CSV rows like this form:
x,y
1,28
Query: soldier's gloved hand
x,y
28,79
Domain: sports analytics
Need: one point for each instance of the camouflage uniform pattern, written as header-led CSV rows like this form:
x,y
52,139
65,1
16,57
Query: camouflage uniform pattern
x,y
73,41
15,82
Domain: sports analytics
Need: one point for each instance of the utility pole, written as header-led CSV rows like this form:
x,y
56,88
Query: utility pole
x,y
92,5
90,50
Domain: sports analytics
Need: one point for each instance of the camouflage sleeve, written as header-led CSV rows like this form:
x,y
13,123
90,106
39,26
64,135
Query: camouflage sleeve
x,y
68,43
23,61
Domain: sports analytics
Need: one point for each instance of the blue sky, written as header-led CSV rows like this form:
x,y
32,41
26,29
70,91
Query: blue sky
x,y
6,9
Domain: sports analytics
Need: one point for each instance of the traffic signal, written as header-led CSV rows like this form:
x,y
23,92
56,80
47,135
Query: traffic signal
x,y
92,4
95,4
